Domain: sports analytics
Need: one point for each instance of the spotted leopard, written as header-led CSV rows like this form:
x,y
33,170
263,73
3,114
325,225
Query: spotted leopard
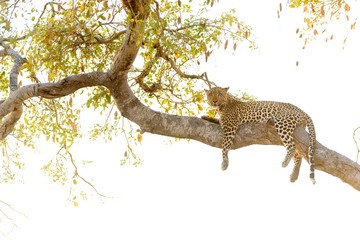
x,y
285,116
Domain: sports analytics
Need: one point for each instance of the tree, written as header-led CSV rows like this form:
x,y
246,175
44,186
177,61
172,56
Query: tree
x,y
132,56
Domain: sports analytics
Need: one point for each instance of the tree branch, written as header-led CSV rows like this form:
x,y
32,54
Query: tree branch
x,y
176,69
12,106
210,133
100,39
76,174
145,72
8,123
138,12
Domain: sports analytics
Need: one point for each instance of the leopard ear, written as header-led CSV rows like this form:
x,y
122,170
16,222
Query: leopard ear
x,y
226,89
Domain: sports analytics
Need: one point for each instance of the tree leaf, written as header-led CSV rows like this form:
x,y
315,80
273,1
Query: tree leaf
x,y
347,7
139,137
322,10
226,44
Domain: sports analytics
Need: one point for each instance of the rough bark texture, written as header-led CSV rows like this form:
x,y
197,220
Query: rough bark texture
x,y
159,123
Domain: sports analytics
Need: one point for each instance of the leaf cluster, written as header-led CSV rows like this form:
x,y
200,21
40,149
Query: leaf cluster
x,y
318,14
178,40
75,37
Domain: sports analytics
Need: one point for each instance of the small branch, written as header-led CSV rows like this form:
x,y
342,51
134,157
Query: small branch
x,y
12,209
102,40
76,174
4,214
140,78
201,24
173,65
15,39
356,143
176,69
51,4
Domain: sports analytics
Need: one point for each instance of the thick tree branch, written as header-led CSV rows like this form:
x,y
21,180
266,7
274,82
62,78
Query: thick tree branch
x,y
10,107
138,11
8,123
210,133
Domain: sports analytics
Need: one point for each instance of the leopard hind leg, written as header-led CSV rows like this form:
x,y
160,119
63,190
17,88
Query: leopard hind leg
x,y
285,132
297,164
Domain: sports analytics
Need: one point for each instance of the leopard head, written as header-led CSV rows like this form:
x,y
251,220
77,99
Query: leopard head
x,y
217,96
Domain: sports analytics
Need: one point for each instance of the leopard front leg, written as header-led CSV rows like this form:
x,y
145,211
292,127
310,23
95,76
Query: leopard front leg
x,y
228,138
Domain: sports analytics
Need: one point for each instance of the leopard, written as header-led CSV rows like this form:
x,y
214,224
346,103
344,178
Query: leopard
x,y
285,117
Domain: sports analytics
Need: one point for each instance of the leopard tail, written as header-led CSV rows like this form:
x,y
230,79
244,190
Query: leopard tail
x,y
311,150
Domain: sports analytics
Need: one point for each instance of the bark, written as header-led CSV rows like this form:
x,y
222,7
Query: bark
x,y
8,122
155,122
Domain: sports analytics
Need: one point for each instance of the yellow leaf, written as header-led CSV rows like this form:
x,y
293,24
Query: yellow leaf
x,y
82,7
139,137
211,113
164,101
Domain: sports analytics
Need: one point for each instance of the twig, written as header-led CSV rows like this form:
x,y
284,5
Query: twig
x,y
76,174
356,143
